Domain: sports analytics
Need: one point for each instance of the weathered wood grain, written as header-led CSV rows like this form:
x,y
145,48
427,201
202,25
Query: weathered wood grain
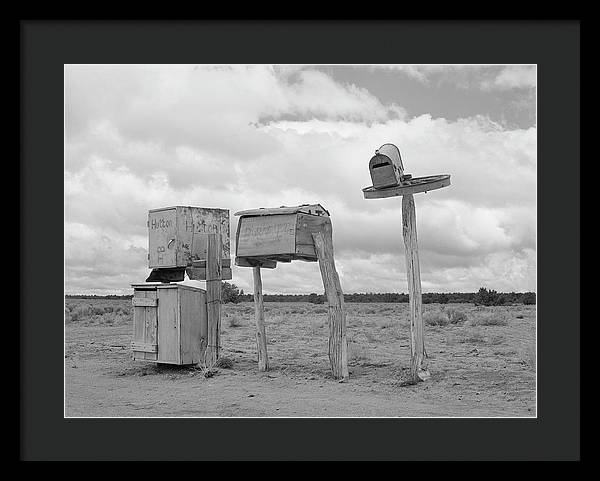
x,y
143,302
338,344
162,235
213,297
225,262
412,186
177,235
259,315
255,262
266,235
199,273
145,324
169,334
143,346
314,209
193,322
413,273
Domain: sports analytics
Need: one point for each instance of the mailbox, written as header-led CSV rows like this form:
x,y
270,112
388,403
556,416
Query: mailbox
x,y
265,236
177,235
177,241
386,167
169,323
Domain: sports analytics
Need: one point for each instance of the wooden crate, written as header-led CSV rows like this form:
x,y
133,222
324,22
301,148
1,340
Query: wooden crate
x,y
265,236
169,323
177,235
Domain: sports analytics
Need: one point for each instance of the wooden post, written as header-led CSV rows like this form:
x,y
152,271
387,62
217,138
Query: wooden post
x,y
417,344
338,344
259,315
213,297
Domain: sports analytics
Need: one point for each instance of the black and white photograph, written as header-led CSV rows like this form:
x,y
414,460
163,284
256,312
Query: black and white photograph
x,y
300,240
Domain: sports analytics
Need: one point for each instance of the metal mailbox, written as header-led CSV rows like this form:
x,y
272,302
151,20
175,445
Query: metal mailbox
x,y
386,167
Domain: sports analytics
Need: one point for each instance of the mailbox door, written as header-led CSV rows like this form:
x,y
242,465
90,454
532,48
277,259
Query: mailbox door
x,y
144,343
162,229
169,351
266,235
383,173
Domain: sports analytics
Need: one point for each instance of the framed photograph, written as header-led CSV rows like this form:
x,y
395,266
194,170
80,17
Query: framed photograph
x,y
356,244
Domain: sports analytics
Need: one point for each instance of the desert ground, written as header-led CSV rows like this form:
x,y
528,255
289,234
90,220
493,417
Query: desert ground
x,y
481,360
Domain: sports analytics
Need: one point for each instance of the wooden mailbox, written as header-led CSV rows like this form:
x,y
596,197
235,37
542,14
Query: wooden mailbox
x,y
177,238
265,236
386,167
304,232
169,323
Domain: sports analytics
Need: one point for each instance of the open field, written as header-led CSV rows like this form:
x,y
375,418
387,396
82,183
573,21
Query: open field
x,y
481,360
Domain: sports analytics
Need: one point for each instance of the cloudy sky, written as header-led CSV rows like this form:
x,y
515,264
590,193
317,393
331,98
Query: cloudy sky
x,y
140,137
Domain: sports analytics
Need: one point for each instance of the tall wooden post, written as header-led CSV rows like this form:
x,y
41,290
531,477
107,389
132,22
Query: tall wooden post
x,y
413,273
338,344
259,315
213,297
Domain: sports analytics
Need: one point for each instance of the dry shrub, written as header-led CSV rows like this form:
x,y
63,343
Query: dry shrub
x,y
456,316
234,321
474,337
436,318
315,325
386,324
357,352
528,356
489,319
224,363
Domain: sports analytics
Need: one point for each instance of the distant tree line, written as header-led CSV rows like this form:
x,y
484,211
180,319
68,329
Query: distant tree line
x,y
484,297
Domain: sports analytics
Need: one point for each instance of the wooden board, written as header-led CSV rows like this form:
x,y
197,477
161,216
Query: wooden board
x,y
255,262
145,325
193,321
306,225
168,327
194,225
199,273
143,347
409,187
213,299
314,209
162,234
178,235
143,302
202,263
266,235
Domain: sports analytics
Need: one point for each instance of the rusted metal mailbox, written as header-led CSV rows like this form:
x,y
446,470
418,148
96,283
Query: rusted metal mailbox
x,y
386,167
177,238
265,236
169,323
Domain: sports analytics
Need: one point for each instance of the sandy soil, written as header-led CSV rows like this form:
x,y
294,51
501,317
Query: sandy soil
x,y
476,370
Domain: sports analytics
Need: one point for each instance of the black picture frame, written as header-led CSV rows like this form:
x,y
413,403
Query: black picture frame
x,y
45,46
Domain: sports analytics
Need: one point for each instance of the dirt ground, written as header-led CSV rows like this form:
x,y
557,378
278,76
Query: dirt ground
x,y
481,360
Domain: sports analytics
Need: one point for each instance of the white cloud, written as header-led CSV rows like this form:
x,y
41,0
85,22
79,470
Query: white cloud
x,y
511,77
147,137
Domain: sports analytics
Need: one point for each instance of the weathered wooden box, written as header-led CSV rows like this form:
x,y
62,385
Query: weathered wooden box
x,y
265,236
386,167
178,235
169,323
